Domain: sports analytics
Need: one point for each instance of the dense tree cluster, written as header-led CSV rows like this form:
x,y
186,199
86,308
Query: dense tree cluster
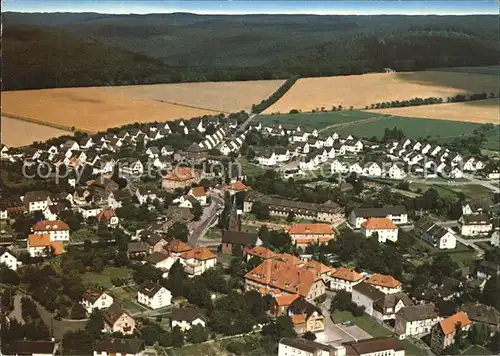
x,y
264,104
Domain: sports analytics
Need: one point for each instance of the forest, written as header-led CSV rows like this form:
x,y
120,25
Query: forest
x,y
66,50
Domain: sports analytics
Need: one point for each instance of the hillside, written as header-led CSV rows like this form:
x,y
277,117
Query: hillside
x,y
190,48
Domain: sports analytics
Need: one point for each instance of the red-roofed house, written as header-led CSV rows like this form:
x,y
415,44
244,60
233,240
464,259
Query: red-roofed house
x,y
304,234
39,245
199,194
57,230
384,227
443,333
198,260
180,177
109,217
96,299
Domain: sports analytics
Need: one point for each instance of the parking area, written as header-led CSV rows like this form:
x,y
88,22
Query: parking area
x,y
337,334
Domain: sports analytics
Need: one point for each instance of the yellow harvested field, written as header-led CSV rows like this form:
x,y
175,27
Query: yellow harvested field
x,y
222,96
90,109
17,133
481,111
360,91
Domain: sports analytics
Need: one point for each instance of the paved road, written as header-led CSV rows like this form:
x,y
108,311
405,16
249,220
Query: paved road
x,y
209,216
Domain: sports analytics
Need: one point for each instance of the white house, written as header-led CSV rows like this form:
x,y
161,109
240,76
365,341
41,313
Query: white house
x,y
8,258
476,224
301,347
415,320
384,228
131,167
186,318
96,299
57,230
36,201
439,237
90,211
338,166
385,283
153,295
396,172
397,214
267,158
355,168
198,260
344,279
199,194
372,169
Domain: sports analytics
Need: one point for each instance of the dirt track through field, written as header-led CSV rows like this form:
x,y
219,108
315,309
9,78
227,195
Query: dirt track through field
x,y
353,123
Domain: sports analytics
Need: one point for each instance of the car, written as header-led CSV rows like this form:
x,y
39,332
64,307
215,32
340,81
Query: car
x,y
348,323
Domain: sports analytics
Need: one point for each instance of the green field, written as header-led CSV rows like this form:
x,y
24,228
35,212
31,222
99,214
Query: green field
x,y
414,128
317,120
206,349
104,278
475,70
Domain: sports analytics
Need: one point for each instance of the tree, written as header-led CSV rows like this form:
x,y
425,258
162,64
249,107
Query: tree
x,y
197,334
478,334
459,336
260,210
340,301
494,345
196,210
8,276
78,311
281,327
490,292
95,324
79,342
179,231
290,217
309,336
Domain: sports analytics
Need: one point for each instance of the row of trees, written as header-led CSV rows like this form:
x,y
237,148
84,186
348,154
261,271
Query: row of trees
x,y
264,104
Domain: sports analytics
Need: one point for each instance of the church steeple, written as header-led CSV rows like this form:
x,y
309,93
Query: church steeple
x,y
234,222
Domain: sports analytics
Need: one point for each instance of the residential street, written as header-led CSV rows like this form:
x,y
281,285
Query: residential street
x,y
210,214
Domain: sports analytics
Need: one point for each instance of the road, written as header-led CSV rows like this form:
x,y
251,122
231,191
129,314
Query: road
x,y
243,127
484,183
470,180
210,214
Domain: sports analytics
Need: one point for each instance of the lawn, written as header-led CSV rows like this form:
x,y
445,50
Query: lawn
x,y
476,350
364,322
473,191
412,349
104,278
414,128
485,246
317,120
250,169
206,349
125,297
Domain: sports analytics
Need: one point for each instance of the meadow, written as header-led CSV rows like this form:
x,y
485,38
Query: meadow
x,y
363,90
90,109
480,111
219,96
17,133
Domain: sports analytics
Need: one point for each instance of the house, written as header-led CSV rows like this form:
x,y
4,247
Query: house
x,y
199,194
345,279
396,172
378,305
90,211
137,249
109,217
443,333
372,169
384,283
186,201
260,252
246,240
475,224
196,153
58,230
36,201
153,152
153,295
180,177
384,229
397,214
8,258
41,245
280,303
186,318
198,260
415,320
266,158
438,236
145,194
306,317
301,347
112,346
303,234
96,299
160,260
32,348
282,154
381,346
486,269
278,277
117,320
355,168
130,167
484,314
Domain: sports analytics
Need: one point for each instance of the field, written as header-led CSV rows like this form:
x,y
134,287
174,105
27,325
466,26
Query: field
x,y
104,278
219,96
476,350
480,111
89,109
414,128
16,133
206,349
476,70
317,120
361,90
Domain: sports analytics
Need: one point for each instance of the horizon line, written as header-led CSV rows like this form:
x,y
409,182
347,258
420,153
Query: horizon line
x,y
256,13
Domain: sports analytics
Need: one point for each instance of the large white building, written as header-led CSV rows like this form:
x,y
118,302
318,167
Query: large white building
x,y
345,279
302,347
8,258
438,236
384,228
475,224
153,295
397,214
415,320
186,318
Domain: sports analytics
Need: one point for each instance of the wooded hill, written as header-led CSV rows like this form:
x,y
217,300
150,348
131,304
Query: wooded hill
x,y
64,49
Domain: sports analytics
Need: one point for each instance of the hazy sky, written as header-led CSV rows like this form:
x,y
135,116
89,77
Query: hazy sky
x,y
407,7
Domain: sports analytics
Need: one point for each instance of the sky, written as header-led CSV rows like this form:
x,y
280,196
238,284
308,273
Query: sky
x,y
331,7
